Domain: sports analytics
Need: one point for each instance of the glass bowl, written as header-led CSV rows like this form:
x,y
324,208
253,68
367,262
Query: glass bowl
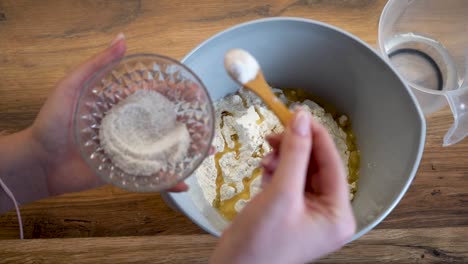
x,y
120,79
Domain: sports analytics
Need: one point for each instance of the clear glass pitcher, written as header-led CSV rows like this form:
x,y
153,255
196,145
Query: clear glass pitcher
x,y
426,41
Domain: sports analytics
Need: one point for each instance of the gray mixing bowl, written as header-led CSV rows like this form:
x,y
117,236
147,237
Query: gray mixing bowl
x,y
343,70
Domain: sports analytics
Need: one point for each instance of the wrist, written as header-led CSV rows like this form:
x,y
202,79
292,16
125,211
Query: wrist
x,y
37,154
21,169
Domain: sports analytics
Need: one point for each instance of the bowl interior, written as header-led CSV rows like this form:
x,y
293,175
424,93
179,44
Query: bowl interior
x,y
339,68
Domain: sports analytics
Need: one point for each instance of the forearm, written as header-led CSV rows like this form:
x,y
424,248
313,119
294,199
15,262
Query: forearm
x,y
21,170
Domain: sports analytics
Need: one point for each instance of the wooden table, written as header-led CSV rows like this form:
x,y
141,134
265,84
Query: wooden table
x,y
42,40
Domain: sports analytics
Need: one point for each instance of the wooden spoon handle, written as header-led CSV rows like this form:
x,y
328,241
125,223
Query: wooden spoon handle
x,y
261,88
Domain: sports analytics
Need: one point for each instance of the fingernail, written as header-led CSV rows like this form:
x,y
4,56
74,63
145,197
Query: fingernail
x,y
301,123
119,37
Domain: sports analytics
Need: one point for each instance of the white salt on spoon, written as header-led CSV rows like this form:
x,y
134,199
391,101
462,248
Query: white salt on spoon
x,y
244,69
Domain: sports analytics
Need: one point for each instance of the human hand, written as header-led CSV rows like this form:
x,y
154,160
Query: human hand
x,y
303,211
52,133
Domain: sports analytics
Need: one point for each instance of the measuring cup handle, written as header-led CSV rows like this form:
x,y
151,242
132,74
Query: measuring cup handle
x,y
458,102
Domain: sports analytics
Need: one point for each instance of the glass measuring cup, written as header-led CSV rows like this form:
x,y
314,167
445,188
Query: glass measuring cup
x,y
426,41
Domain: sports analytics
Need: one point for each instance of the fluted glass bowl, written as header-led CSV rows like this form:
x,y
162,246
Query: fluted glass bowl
x,y
123,77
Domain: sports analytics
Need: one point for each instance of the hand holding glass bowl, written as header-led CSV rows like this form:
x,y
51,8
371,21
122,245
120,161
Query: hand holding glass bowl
x,y
122,78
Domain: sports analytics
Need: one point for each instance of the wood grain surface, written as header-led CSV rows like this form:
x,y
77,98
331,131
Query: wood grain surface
x,y
40,41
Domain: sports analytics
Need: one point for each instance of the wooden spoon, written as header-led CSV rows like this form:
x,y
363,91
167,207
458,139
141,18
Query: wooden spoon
x,y
245,70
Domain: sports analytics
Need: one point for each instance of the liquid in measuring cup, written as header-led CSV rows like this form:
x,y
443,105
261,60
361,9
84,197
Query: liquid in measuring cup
x,y
427,67
425,42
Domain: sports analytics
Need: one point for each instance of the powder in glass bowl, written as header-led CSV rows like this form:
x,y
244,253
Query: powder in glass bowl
x,y
141,134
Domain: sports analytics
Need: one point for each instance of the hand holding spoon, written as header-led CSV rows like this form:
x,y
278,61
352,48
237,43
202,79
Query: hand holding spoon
x,y
244,69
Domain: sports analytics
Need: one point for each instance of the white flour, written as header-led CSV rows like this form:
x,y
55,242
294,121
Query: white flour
x,y
140,134
249,121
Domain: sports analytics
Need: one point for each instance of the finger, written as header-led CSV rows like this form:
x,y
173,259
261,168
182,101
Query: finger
x,y
274,140
83,72
311,172
180,187
296,144
270,162
330,178
212,151
266,178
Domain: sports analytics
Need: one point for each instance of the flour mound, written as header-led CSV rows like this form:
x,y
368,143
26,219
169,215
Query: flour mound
x,y
141,134
242,123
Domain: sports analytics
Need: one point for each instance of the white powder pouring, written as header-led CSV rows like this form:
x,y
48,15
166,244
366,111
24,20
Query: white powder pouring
x,y
141,134
241,65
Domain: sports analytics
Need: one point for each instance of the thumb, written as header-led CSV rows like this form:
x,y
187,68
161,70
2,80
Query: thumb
x,y
290,175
